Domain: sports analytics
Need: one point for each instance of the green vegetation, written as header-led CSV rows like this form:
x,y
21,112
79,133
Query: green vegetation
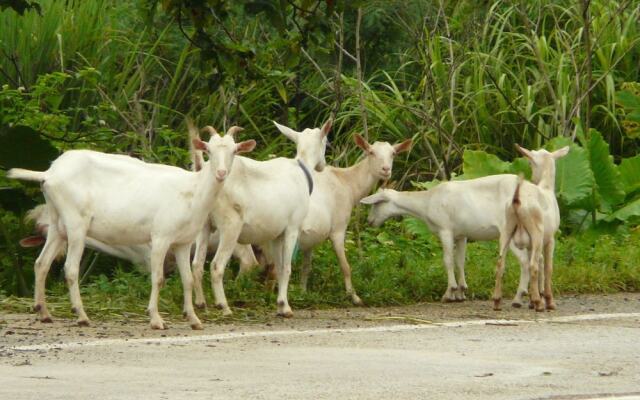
x,y
465,79
402,264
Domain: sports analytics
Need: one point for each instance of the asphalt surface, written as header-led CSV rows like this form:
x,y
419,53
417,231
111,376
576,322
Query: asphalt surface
x,y
589,348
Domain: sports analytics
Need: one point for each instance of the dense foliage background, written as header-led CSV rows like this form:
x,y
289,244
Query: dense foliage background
x,y
465,79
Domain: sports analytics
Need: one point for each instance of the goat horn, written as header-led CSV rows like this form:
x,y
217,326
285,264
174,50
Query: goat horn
x,y
233,130
210,129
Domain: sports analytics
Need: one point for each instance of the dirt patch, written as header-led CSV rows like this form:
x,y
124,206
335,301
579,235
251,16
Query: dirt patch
x,y
24,329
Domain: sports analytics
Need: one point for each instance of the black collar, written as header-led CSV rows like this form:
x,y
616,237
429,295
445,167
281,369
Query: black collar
x,y
307,174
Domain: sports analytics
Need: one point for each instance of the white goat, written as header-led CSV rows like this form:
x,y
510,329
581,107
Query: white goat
x,y
456,211
139,255
120,200
532,220
336,192
263,203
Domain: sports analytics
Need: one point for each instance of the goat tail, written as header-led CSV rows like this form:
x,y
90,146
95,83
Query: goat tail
x,y
520,235
197,160
516,196
25,175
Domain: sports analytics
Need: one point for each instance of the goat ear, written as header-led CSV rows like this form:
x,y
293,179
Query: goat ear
x,y
374,198
524,151
32,241
404,146
561,152
361,142
288,132
199,144
246,146
326,127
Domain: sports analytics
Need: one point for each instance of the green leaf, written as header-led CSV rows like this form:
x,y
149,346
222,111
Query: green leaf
x,y
627,99
631,128
521,166
609,187
384,239
623,214
634,116
282,91
574,178
629,170
631,102
477,163
417,228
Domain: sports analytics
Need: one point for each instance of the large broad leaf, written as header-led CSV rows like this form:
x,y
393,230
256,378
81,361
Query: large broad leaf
x,y
477,163
628,99
22,146
521,166
609,187
629,170
632,209
574,178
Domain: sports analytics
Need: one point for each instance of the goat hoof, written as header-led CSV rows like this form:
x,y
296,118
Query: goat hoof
x,y
201,306
516,304
551,306
83,322
46,320
357,301
531,306
226,312
197,326
496,305
285,314
37,307
448,300
538,306
159,326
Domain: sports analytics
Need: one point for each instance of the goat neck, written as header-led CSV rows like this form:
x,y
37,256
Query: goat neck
x,y
359,180
207,187
547,179
411,203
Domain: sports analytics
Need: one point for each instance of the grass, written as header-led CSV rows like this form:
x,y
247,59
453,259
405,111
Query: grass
x,y
394,267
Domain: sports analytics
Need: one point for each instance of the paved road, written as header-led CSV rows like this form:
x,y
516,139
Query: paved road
x,y
580,355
